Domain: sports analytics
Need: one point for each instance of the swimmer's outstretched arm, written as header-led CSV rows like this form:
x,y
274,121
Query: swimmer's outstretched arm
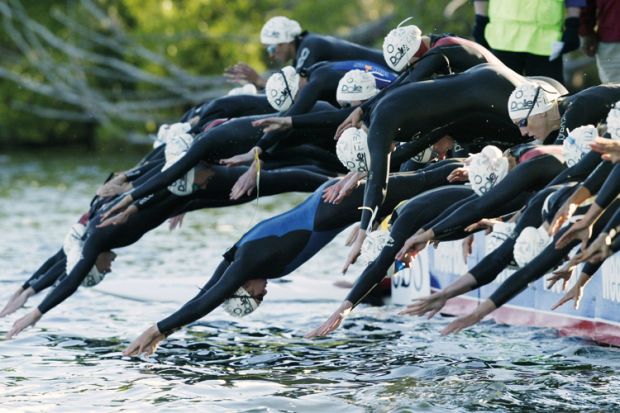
x,y
225,281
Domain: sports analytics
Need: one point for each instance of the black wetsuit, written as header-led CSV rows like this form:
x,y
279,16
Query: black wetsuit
x,y
545,261
313,48
525,179
235,136
279,245
447,55
323,78
478,92
588,107
155,210
227,107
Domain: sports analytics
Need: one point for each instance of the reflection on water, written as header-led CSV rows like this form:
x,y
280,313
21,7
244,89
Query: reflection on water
x,y
377,361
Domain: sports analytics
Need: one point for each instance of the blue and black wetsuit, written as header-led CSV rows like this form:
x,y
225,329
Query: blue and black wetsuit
x,y
279,245
163,205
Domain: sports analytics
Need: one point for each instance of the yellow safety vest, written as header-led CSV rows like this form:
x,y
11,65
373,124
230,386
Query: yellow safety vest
x,y
524,25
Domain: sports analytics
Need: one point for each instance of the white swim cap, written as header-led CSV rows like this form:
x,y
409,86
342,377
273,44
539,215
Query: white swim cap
x,y
282,87
279,29
577,143
373,244
400,45
425,156
247,89
241,303
352,150
356,85
521,100
176,148
501,232
72,246
165,131
530,243
486,169
613,121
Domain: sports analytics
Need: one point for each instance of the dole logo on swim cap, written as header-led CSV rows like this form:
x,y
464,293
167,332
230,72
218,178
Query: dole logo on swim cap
x,y
529,244
352,150
400,45
241,303
282,87
486,169
577,143
613,121
356,85
279,29
521,100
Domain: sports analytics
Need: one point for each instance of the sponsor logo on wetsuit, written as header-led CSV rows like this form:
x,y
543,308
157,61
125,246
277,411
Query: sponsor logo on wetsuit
x,y
303,55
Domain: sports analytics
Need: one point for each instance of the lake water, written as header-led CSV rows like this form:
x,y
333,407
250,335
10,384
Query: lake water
x,y
376,361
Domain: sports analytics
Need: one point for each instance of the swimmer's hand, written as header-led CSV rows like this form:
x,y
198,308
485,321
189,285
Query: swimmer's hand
x,y
146,343
176,222
118,207
563,274
608,147
355,251
427,305
459,175
352,235
17,301
119,218
414,245
246,183
28,320
485,223
242,73
114,186
467,247
242,158
580,230
575,293
333,321
274,124
486,307
354,120
598,250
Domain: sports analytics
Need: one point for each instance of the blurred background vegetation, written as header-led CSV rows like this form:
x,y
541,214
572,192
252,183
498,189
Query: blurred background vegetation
x,y
105,73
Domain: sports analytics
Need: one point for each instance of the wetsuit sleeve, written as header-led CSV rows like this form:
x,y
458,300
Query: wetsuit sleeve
x,y
208,300
323,119
308,96
177,170
526,177
49,277
610,189
152,199
376,185
595,181
434,62
542,263
148,174
92,247
579,171
49,263
492,264
139,171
